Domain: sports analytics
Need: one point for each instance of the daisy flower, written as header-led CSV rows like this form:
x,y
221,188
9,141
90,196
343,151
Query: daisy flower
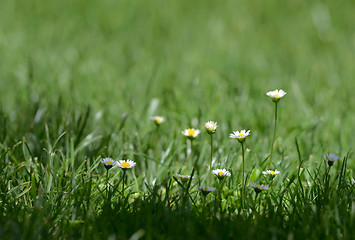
x,y
332,158
211,127
184,178
108,163
191,133
258,188
158,119
221,173
276,95
271,172
240,136
206,190
125,164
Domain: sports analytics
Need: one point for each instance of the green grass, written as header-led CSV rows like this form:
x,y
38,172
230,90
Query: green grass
x,y
80,80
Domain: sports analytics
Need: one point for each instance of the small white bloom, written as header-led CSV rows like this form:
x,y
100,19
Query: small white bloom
x,y
191,133
206,190
258,188
158,119
184,178
221,173
276,95
240,136
125,164
211,127
108,162
332,158
271,172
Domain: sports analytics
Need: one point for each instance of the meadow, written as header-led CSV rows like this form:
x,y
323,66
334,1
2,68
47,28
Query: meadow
x,y
80,81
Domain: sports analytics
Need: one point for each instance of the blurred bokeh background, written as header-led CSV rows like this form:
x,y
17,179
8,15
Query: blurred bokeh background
x,y
190,61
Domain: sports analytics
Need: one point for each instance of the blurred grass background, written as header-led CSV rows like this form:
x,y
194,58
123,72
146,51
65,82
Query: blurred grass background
x,y
185,60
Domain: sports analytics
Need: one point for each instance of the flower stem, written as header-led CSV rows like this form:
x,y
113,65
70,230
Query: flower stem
x,y
273,139
220,191
259,204
255,201
327,178
191,146
157,142
243,176
211,158
204,204
188,148
124,175
107,186
190,157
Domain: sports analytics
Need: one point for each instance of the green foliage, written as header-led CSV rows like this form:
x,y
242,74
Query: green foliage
x,y
81,79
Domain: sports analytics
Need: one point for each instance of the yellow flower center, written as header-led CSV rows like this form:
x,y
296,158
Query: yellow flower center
x,y
220,173
241,135
158,120
277,95
182,176
191,132
205,188
125,164
109,162
259,185
272,171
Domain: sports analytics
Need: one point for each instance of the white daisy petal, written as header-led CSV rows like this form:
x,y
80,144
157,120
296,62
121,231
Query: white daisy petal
x,y
276,95
126,164
271,172
332,158
221,173
191,133
240,135
158,119
184,178
206,190
258,187
108,162
211,127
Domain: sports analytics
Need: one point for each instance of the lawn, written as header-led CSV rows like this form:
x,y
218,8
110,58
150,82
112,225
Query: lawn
x,y
80,81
